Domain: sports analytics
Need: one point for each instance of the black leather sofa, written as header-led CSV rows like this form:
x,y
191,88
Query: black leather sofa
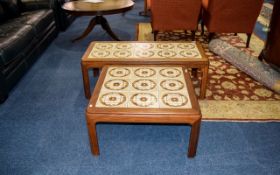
x,y
27,27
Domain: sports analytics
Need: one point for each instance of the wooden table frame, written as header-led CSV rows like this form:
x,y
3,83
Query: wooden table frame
x,y
190,116
98,10
87,64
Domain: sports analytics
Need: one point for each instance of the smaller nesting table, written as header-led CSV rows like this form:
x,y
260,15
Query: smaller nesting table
x,y
187,54
144,94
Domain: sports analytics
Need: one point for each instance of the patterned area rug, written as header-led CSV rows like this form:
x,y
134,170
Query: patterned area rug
x,y
231,94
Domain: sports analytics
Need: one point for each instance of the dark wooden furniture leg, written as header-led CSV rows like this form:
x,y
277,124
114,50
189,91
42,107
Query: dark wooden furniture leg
x,y
193,35
248,39
93,22
95,72
93,138
202,28
194,138
105,25
86,81
155,35
210,36
145,12
89,28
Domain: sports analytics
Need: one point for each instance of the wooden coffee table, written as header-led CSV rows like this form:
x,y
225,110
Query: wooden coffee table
x,y
188,54
144,94
106,7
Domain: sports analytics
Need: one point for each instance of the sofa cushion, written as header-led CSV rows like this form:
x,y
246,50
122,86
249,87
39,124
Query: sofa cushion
x,y
14,37
39,19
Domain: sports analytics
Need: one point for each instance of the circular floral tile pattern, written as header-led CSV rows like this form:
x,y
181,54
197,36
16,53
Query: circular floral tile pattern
x,y
100,53
119,72
172,85
143,99
145,46
166,53
124,46
186,46
112,99
165,46
103,46
117,84
144,84
170,72
145,53
189,53
144,72
174,99
122,53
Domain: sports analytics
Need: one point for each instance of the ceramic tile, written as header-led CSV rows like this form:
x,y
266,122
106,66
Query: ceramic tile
x,y
144,87
144,72
141,99
144,84
130,50
174,99
118,73
112,99
172,85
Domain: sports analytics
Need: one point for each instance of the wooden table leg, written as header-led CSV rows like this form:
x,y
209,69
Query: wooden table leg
x,y
145,12
93,138
89,28
105,25
95,72
194,72
86,81
204,78
194,138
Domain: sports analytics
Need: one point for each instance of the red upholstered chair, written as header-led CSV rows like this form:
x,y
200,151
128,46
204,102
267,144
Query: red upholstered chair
x,y
230,16
168,15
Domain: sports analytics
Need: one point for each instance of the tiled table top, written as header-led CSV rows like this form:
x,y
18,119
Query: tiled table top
x,y
147,50
144,87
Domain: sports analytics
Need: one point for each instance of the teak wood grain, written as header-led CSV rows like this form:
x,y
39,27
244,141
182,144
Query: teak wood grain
x,y
191,116
95,64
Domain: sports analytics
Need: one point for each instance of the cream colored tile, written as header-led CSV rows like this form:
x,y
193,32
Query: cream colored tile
x,y
171,72
116,85
118,72
172,85
144,85
143,72
109,99
178,99
140,99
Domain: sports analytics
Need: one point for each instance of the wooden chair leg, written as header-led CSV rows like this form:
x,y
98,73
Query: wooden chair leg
x,y
202,28
155,35
248,39
210,36
193,35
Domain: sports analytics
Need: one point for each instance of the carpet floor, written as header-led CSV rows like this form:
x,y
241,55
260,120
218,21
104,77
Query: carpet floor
x,y
231,94
43,129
